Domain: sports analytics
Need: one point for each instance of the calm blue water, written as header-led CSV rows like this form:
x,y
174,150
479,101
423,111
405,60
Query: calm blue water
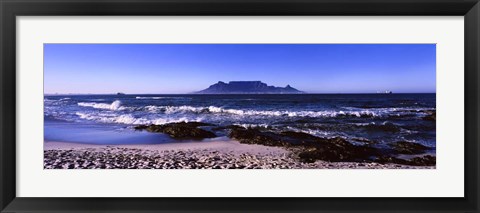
x,y
109,119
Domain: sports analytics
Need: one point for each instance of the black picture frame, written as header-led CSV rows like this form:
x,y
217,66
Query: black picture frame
x,y
10,9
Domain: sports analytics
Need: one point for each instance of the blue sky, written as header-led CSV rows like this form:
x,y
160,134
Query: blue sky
x,y
184,68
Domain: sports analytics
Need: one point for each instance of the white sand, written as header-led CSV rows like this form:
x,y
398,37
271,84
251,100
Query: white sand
x,y
232,146
211,153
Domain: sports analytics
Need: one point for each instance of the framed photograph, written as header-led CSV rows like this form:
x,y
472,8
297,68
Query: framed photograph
x,y
258,106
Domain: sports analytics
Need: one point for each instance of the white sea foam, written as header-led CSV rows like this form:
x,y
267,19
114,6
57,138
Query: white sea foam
x,y
266,126
318,133
363,124
111,118
116,105
160,121
271,113
149,97
53,101
155,98
130,119
167,114
384,123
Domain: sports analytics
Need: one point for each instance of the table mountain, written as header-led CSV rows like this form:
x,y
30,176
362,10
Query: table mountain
x,y
247,87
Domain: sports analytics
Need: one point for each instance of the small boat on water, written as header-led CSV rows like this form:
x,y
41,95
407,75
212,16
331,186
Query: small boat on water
x,y
385,92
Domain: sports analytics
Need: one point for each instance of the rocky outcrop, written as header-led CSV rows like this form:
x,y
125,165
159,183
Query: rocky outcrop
x,y
426,160
432,116
310,148
336,150
247,87
409,148
182,130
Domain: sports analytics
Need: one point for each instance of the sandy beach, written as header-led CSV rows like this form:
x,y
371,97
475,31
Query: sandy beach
x,y
228,154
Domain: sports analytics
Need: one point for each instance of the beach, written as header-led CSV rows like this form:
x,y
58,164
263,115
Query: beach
x,y
227,154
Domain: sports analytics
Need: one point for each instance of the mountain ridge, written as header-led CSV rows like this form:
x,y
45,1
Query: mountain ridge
x,y
247,87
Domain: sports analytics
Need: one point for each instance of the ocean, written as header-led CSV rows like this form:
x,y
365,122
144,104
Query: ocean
x,y
378,119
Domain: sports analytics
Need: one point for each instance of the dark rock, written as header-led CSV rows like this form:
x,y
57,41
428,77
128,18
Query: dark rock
x,y
311,148
426,160
181,130
299,135
409,148
390,159
141,127
229,127
432,116
364,140
193,124
337,149
386,127
255,136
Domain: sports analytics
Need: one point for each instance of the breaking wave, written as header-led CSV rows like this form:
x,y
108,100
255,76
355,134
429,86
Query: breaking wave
x,y
156,98
285,113
116,105
130,119
149,97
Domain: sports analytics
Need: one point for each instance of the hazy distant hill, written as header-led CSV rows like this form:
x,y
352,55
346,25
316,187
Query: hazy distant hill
x,y
247,87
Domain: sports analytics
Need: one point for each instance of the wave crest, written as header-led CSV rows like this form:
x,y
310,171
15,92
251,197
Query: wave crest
x,y
130,119
239,112
116,105
156,98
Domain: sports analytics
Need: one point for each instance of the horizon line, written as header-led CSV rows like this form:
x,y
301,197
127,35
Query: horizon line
x,y
305,93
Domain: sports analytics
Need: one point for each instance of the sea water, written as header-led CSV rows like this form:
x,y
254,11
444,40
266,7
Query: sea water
x,y
109,119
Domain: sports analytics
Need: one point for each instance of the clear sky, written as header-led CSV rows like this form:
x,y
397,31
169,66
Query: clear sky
x,y
185,68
